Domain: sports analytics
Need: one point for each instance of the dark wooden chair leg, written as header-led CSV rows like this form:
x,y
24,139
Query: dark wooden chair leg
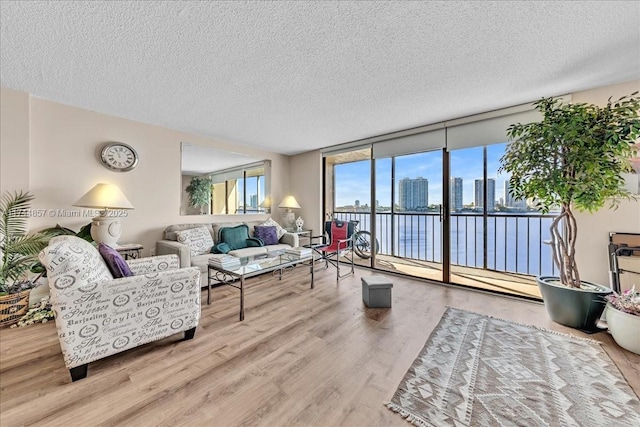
x,y
79,372
189,334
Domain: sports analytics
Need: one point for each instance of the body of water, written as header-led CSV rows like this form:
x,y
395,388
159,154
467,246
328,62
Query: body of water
x,y
514,243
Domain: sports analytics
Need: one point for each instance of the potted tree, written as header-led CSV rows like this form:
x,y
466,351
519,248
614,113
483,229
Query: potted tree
x,y
199,190
18,253
573,159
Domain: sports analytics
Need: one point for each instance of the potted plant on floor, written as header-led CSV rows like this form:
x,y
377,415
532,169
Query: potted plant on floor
x,y
18,253
573,159
623,319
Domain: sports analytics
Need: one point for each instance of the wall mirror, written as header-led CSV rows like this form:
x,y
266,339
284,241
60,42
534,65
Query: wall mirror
x,y
217,182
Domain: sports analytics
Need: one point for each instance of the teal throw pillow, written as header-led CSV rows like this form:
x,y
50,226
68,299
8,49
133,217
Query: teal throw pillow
x,y
220,248
236,237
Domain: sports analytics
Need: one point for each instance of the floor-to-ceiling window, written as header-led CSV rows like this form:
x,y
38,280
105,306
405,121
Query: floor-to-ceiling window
x,y
439,208
347,186
240,190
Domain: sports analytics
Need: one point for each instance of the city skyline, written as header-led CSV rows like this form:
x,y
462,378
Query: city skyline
x,y
352,181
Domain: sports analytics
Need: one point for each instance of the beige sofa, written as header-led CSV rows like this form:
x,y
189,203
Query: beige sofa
x,y
169,245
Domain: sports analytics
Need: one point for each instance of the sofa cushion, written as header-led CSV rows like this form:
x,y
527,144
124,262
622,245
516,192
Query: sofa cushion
x,y
73,262
116,264
236,237
279,230
267,233
197,239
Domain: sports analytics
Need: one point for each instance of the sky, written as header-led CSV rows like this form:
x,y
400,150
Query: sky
x,y
352,179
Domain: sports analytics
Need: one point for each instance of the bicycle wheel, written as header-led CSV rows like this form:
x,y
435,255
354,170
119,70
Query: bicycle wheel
x,y
362,244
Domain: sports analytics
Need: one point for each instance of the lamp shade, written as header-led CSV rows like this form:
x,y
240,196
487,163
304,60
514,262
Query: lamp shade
x,y
266,203
104,196
289,202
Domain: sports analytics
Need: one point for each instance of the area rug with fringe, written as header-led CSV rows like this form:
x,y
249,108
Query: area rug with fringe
x,y
476,370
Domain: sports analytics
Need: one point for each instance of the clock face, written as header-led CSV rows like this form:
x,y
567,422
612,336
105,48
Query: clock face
x,y
119,157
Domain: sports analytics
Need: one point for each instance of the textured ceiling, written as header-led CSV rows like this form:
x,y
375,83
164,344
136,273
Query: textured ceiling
x,y
294,76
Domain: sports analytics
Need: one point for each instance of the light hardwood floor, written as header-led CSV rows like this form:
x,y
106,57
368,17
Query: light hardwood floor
x,y
301,357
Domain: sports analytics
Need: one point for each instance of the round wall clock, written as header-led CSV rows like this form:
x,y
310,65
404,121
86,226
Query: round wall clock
x,y
119,157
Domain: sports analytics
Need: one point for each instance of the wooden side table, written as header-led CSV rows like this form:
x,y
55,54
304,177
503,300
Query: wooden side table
x,y
130,250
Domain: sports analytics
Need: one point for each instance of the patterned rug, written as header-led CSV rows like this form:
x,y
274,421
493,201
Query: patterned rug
x,y
475,370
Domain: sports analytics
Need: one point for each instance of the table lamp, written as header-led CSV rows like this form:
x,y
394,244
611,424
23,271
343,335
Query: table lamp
x,y
289,217
266,204
106,227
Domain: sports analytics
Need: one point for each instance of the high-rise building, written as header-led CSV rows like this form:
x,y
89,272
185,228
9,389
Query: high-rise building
x,y
456,194
414,193
254,201
491,194
357,203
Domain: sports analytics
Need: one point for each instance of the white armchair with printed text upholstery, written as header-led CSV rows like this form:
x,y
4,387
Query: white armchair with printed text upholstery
x,y
98,316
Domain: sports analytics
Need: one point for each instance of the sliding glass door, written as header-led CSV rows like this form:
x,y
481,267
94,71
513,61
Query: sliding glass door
x,y
438,207
409,215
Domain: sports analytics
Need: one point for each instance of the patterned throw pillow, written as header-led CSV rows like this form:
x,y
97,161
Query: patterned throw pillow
x,y
279,230
267,233
116,264
197,239
73,262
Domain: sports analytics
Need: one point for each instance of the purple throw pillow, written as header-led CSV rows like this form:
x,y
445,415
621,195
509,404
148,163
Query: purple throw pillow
x,y
268,234
116,264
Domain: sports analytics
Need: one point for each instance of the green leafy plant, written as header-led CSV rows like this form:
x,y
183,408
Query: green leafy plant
x,y
18,249
573,158
199,192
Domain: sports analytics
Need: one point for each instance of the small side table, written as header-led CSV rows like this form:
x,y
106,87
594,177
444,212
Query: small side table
x,y
304,234
130,250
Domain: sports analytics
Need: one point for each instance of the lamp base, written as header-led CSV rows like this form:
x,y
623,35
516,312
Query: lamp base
x,y
288,220
106,229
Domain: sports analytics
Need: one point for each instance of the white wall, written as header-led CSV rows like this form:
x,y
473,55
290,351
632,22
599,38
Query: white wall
x,y
61,163
593,229
14,141
306,177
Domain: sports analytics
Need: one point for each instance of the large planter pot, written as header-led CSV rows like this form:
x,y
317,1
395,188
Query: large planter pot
x,y
624,327
577,308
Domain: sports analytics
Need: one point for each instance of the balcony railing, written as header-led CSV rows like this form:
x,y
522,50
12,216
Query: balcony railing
x,y
512,243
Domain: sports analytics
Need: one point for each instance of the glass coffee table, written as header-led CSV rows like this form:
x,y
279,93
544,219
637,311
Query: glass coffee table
x,y
250,267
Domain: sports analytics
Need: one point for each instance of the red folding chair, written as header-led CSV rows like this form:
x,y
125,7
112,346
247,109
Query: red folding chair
x,y
339,235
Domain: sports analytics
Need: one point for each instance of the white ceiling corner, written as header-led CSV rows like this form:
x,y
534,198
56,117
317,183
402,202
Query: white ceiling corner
x,y
290,77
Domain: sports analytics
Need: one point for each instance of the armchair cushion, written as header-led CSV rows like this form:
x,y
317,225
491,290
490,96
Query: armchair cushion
x,y
73,263
197,239
153,264
268,234
236,237
116,264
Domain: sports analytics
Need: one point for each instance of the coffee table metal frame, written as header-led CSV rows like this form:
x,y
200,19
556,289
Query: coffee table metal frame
x,y
252,268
